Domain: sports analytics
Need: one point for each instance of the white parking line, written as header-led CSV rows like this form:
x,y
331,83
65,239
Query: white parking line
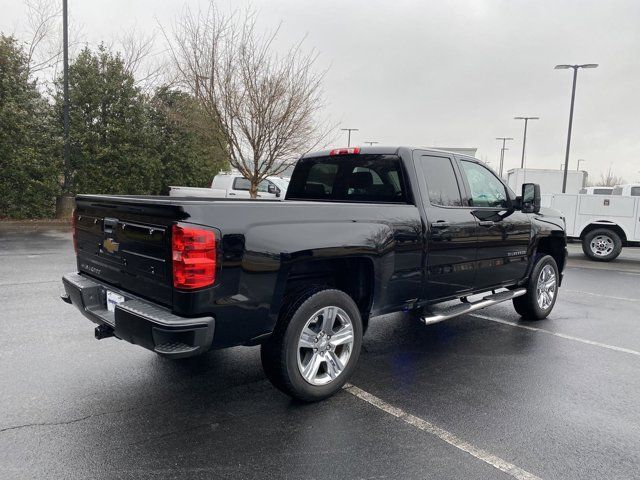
x,y
556,334
442,434
601,295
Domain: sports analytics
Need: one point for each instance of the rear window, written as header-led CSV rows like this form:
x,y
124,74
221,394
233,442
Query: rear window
x,y
602,191
349,178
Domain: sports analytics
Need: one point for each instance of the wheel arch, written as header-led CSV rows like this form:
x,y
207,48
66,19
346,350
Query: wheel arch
x,y
354,275
606,224
553,245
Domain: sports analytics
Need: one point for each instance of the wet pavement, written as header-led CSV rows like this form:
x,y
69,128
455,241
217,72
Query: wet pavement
x,y
557,399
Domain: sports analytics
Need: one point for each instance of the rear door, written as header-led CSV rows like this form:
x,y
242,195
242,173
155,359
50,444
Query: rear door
x,y
503,233
450,227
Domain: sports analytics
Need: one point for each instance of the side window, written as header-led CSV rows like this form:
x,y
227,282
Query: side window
x,y
263,186
486,189
635,191
441,181
617,191
240,183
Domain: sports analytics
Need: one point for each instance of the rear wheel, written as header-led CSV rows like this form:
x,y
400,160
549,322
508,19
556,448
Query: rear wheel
x,y
602,245
542,290
315,346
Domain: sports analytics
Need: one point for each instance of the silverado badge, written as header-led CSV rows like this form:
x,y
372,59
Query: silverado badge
x,y
110,245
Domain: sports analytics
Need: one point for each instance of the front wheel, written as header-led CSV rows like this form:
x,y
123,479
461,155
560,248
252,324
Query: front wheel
x,y
602,245
315,346
542,290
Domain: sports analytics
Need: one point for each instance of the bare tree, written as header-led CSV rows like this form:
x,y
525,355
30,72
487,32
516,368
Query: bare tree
x,y
44,49
141,60
265,104
609,179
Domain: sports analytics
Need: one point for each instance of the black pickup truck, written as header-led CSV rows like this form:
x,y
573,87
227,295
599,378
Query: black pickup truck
x,y
362,232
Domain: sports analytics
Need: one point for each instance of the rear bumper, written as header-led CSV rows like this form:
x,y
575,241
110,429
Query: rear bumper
x,y
138,321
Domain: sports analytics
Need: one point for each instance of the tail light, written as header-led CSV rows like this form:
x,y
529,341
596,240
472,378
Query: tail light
x,y
74,229
345,151
194,257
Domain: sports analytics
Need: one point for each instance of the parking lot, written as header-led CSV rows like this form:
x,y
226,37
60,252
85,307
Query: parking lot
x,y
480,396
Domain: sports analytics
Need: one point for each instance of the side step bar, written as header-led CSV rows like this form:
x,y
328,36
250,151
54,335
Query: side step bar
x,y
440,314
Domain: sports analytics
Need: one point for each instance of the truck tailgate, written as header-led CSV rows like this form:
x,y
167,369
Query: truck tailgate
x,y
126,245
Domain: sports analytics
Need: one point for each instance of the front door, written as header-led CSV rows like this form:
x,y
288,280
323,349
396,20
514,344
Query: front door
x,y
503,233
450,228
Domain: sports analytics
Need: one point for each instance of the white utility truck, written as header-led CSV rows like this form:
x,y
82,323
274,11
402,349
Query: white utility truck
x,y
234,185
603,223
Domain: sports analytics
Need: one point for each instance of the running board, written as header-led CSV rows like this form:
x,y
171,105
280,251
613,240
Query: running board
x,y
440,314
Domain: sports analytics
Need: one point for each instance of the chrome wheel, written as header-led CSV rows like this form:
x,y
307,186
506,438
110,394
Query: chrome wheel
x,y
546,289
325,345
601,245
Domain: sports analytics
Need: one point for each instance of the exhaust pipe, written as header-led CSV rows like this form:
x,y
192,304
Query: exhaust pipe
x,y
104,331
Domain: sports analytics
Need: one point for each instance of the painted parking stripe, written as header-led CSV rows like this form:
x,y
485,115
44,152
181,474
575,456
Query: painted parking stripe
x,y
561,335
442,434
601,295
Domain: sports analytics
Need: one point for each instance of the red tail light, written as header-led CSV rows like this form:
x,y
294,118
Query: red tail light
x,y
345,151
74,229
194,257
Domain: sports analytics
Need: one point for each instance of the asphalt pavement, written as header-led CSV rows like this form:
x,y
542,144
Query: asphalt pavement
x,y
481,396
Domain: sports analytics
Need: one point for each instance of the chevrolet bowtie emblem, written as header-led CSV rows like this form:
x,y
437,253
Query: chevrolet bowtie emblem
x,y
110,245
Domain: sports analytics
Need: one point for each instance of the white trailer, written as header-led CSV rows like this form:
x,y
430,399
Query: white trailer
x,y
550,181
603,223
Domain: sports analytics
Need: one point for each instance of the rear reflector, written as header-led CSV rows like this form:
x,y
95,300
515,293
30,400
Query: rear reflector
x,y
345,151
194,257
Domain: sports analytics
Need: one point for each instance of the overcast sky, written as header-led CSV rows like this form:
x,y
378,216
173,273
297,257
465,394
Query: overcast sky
x,y
451,73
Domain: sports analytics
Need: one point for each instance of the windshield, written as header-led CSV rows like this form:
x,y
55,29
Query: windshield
x,y
349,178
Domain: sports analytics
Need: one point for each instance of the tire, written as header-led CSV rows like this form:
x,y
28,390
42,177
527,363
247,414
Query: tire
x,y
530,306
602,245
288,353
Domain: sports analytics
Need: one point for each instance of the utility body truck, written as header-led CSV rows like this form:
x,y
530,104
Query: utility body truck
x,y
362,232
602,223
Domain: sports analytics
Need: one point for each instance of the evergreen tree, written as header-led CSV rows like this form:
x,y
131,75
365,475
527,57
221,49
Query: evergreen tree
x,y
30,167
112,148
185,141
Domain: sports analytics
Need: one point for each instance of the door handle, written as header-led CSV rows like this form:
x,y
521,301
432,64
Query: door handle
x,y
231,194
487,223
440,224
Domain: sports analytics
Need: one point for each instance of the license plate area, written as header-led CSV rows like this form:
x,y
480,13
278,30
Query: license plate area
x,y
113,299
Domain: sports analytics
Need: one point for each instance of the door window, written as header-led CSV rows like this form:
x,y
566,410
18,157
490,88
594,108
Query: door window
x,y
240,183
441,181
486,189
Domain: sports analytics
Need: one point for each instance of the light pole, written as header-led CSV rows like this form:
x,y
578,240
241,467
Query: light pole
x,y
524,138
349,130
502,150
65,97
371,143
573,97
580,160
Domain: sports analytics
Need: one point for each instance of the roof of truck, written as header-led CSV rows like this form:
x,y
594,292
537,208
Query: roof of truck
x,y
383,150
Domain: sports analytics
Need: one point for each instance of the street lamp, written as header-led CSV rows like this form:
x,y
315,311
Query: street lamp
x,y
573,97
504,139
580,160
349,134
524,138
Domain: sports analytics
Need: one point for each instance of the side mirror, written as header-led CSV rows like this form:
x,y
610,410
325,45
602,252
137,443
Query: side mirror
x,y
273,190
530,202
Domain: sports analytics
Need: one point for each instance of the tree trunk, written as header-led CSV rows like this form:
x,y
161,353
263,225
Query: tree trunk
x,y
253,190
